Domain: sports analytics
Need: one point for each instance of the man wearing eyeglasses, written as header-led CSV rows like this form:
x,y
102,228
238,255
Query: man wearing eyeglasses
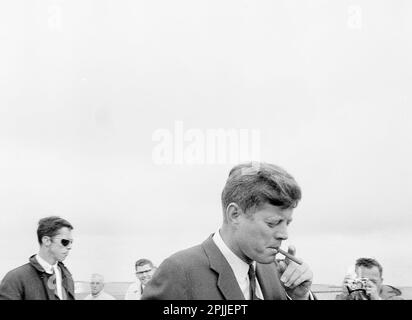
x,y
44,277
144,272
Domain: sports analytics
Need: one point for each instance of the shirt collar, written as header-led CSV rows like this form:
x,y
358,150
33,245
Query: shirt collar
x,y
97,295
45,265
240,268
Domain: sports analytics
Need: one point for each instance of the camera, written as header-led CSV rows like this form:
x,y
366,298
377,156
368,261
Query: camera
x,y
357,284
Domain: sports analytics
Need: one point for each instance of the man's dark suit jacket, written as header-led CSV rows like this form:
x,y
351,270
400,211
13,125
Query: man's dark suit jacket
x,y
203,273
31,282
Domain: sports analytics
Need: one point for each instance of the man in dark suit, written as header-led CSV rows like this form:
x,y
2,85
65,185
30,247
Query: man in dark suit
x,y
239,260
44,277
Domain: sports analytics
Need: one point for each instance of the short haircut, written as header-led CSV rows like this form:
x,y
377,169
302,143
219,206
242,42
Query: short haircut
x,y
142,262
97,276
251,185
369,263
50,226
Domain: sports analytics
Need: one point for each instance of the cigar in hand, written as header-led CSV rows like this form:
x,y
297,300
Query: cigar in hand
x,y
289,256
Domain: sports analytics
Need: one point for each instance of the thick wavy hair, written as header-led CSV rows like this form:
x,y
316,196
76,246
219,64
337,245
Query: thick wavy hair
x,y
251,185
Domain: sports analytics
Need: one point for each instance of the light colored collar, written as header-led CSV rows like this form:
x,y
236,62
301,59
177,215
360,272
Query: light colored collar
x,y
97,295
139,286
45,265
240,268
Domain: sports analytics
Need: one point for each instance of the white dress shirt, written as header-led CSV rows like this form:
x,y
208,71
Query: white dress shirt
x,y
239,267
101,296
134,292
50,269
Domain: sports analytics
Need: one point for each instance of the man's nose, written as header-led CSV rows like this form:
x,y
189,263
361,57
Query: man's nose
x,y
282,233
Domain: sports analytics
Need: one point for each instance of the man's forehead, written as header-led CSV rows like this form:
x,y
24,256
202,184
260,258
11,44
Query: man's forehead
x,y
97,280
64,231
143,268
365,272
270,211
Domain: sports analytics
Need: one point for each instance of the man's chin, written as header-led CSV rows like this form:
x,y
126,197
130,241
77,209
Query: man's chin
x,y
265,259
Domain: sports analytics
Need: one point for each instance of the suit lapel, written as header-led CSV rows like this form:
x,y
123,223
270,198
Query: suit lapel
x,y
226,281
269,282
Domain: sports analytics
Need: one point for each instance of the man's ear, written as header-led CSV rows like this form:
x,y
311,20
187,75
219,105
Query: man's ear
x,y
233,213
46,241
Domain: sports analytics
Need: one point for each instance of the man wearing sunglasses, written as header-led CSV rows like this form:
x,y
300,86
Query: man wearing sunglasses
x,y
44,277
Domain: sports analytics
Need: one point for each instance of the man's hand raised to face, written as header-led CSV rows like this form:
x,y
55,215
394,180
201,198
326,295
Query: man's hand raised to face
x,y
372,290
297,279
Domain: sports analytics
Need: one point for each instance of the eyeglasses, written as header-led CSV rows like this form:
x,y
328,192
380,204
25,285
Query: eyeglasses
x,y
143,272
65,242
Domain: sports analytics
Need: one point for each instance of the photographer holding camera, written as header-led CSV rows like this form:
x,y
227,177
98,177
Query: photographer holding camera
x,y
366,283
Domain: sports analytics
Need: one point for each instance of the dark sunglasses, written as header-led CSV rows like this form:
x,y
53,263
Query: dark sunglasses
x,y
65,242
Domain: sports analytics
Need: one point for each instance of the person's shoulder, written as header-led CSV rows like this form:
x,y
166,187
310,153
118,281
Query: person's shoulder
x,y
188,252
108,296
183,261
132,291
389,292
186,257
133,286
19,272
395,298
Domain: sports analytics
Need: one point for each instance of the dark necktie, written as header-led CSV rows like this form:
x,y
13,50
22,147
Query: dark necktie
x,y
252,283
53,283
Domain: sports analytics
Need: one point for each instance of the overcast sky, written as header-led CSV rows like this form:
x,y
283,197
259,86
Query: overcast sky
x,y
86,84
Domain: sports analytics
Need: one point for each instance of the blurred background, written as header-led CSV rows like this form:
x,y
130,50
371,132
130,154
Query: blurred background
x,y
87,85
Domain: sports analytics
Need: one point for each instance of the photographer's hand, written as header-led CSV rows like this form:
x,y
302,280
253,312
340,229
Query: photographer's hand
x,y
296,278
372,290
345,285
